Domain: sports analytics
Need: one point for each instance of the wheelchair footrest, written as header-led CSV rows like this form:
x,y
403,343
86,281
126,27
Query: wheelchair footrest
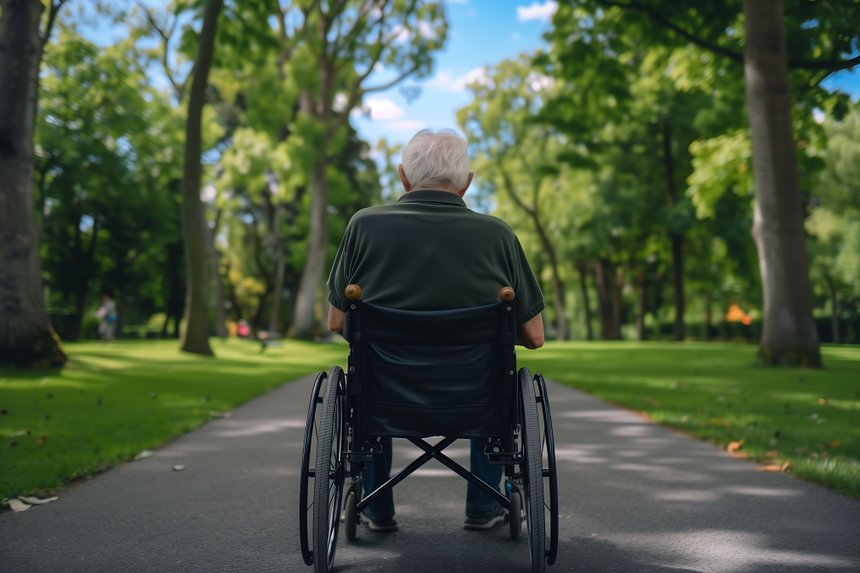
x,y
356,457
504,458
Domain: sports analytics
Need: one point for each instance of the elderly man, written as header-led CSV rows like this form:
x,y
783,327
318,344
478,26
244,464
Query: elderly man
x,y
429,251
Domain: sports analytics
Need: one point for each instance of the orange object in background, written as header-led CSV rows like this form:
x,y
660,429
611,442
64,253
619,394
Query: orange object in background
x,y
736,314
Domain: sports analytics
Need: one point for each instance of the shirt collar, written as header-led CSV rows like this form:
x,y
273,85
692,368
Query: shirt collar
x,y
431,196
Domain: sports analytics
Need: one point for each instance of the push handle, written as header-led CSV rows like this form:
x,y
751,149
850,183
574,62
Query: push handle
x,y
352,292
507,294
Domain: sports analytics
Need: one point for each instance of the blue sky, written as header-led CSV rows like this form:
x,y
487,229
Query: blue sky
x,y
480,33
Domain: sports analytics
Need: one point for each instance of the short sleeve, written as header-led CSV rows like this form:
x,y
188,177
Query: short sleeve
x,y
339,276
529,300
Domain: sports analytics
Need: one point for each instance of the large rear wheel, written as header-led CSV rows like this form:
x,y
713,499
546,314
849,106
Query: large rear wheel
x,y
306,479
550,479
329,473
532,472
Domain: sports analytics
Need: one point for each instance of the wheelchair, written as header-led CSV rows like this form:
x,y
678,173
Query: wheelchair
x,y
420,374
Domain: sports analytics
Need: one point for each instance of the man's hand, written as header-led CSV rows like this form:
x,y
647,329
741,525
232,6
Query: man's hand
x,y
336,319
530,334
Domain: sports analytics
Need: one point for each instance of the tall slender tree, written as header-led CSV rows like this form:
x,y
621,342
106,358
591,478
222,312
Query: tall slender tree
x,y
195,338
26,335
348,41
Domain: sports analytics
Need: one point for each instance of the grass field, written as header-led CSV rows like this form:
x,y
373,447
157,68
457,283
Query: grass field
x,y
114,401
808,419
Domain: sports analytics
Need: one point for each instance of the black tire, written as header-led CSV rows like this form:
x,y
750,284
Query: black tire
x,y
309,450
350,516
329,474
532,470
550,480
515,514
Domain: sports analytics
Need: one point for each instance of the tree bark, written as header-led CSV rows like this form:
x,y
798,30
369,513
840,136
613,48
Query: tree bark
x,y
604,275
26,336
304,320
220,311
641,290
708,315
676,239
195,338
789,336
586,304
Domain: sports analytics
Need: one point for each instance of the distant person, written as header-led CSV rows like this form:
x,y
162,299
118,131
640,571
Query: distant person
x,y
242,329
107,316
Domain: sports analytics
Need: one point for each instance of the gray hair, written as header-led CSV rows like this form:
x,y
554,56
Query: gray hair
x,y
440,158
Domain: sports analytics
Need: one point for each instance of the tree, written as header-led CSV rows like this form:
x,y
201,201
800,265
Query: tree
x,y
517,154
821,40
26,335
195,232
789,336
340,46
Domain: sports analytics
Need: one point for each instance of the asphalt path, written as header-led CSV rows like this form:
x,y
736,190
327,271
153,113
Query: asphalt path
x,y
635,497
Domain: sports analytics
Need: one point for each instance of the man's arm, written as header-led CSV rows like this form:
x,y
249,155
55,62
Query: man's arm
x,y
530,333
337,319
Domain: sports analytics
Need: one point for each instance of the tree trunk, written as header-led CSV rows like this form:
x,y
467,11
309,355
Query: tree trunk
x,y
676,239
280,267
220,312
606,300
834,309
26,336
708,315
641,289
304,320
789,336
195,338
586,304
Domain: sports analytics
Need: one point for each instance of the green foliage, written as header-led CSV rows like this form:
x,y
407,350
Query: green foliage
x,y
720,164
107,153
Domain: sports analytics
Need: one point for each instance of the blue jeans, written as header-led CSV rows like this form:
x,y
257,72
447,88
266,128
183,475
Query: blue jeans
x,y
376,473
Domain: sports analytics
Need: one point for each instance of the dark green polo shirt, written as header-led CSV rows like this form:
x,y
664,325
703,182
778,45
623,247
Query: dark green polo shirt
x,y
429,251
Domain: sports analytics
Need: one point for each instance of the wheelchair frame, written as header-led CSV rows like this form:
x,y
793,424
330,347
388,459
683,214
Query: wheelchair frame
x,y
337,445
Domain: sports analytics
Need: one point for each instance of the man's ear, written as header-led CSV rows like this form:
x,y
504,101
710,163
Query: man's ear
x,y
406,185
462,191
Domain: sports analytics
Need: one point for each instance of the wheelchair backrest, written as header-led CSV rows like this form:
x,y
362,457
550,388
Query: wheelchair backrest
x,y
427,373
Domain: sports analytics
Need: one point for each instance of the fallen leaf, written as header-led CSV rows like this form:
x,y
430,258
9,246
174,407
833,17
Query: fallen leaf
x,y
36,500
42,439
784,467
17,505
142,455
178,467
822,402
735,446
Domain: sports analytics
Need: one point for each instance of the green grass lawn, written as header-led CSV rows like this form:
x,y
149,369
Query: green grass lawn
x,y
113,401
809,419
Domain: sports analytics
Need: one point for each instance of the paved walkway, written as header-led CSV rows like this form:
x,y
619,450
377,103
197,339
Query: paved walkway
x,y
635,498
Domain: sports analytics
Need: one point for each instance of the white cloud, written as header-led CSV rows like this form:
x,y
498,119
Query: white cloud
x,y
407,125
382,108
537,11
446,82
403,34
